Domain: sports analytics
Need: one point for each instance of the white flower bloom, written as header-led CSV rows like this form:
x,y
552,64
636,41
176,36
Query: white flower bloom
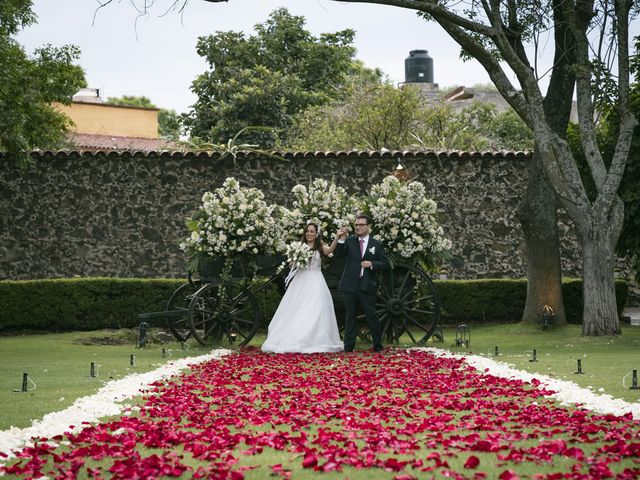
x,y
403,216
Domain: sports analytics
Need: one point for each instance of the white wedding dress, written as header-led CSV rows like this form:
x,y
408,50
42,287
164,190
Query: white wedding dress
x,y
305,321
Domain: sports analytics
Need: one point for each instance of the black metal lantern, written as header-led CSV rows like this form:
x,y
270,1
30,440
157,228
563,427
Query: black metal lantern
x,y
142,334
463,336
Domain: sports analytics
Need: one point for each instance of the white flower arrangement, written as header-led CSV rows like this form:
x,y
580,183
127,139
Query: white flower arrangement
x,y
299,255
404,219
232,220
235,220
322,203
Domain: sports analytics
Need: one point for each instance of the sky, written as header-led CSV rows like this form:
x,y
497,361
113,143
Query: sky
x,y
155,56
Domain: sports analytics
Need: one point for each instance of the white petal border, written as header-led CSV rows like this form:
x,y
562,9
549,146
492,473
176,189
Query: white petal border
x,y
567,393
106,402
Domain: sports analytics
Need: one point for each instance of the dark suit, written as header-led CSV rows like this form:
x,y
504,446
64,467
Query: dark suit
x,y
361,291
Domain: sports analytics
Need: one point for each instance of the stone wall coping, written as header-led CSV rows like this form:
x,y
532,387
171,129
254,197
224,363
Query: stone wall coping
x,y
360,154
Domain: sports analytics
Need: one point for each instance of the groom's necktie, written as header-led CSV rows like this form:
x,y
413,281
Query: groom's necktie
x,y
361,255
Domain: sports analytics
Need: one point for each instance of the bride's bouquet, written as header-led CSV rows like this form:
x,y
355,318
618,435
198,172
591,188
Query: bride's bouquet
x,y
299,255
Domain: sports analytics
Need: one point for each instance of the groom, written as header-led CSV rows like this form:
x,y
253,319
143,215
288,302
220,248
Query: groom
x,y
359,284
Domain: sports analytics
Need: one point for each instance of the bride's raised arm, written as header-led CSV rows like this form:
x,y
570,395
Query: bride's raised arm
x,y
327,250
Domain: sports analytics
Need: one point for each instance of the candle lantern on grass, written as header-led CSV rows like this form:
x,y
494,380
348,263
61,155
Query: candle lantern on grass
x,y
463,336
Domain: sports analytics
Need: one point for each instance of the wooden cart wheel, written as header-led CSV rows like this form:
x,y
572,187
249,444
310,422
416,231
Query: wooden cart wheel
x,y
411,305
180,300
408,306
224,313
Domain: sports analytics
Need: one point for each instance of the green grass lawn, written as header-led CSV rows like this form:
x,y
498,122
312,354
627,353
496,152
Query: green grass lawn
x,y
605,360
59,364
372,411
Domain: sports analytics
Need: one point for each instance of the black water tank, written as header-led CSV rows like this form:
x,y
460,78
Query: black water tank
x,y
418,67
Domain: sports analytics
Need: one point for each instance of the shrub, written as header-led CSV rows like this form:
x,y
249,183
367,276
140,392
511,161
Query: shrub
x,y
80,303
503,300
473,301
96,303
572,294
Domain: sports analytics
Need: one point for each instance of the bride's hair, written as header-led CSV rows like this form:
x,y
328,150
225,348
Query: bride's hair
x,y
318,243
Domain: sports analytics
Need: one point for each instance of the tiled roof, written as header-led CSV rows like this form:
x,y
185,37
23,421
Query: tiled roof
x,y
95,142
364,154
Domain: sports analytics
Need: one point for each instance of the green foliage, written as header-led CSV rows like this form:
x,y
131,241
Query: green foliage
x,y
572,296
231,148
510,132
80,304
359,73
265,78
169,122
93,303
376,116
503,300
629,191
131,101
30,84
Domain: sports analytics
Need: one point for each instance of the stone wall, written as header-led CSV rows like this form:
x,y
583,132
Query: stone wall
x,y
121,214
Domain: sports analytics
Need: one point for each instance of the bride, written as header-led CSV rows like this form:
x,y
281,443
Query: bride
x,y
305,321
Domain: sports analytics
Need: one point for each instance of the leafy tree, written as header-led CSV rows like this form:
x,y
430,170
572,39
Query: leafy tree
x,y
266,78
585,36
510,132
131,101
375,116
29,86
362,75
169,122
608,129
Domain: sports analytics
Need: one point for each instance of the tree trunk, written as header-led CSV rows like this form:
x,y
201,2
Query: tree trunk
x,y
538,211
538,217
600,315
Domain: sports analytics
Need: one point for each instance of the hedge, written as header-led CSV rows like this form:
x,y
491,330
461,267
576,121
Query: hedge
x,y
80,303
95,303
503,300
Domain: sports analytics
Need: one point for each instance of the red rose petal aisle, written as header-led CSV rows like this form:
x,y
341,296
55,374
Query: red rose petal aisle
x,y
404,414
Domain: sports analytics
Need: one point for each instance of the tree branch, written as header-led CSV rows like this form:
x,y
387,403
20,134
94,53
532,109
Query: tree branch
x,y
627,121
576,19
513,96
430,7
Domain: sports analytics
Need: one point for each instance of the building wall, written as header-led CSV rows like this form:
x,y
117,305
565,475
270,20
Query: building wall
x,y
117,120
122,214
